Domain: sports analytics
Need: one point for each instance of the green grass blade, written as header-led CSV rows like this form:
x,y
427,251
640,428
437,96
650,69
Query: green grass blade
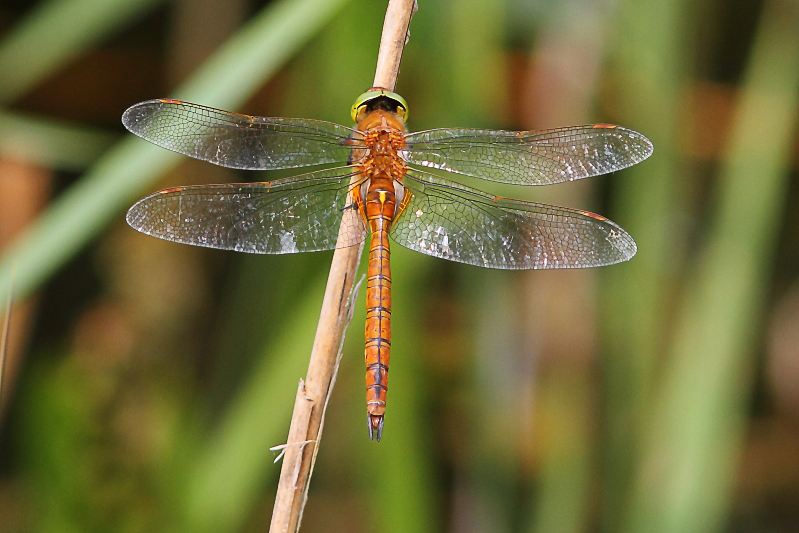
x,y
51,143
688,471
650,59
54,33
226,477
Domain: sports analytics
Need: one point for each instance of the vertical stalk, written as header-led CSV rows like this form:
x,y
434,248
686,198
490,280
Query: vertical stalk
x,y
312,396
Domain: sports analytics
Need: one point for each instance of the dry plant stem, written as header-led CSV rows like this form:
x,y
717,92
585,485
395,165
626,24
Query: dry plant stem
x,y
392,42
306,421
312,395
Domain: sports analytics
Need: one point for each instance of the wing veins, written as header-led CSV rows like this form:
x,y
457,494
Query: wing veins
x,y
295,214
522,235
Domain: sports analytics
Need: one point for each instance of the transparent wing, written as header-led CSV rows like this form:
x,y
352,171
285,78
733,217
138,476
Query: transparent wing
x,y
454,222
239,141
300,214
529,157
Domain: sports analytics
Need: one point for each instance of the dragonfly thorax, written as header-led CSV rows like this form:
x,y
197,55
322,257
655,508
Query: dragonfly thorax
x,y
383,138
381,192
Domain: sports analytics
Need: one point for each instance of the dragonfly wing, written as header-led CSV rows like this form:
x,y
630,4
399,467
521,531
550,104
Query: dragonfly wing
x,y
239,141
454,222
529,157
300,214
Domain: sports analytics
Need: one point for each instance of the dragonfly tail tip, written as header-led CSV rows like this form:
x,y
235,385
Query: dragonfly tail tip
x,y
375,425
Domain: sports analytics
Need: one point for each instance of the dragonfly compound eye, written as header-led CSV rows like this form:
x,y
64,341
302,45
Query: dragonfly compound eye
x,y
377,98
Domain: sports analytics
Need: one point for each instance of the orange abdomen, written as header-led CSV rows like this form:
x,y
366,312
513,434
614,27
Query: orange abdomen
x,y
382,169
380,204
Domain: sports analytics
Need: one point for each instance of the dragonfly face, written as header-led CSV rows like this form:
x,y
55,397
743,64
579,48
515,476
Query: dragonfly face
x,y
381,174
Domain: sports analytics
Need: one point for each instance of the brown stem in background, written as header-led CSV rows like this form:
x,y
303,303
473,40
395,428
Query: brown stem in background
x,y
4,340
312,395
25,190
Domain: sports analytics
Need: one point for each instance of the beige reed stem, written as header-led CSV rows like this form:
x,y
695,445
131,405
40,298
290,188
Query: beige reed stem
x,y
313,393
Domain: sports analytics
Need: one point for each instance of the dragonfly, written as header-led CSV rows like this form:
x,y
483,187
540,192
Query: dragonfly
x,y
381,181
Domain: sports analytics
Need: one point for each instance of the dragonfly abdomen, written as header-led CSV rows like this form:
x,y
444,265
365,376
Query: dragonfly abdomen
x,y
380,207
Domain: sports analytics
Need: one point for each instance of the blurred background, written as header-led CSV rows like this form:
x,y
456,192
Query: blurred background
x,y
145,381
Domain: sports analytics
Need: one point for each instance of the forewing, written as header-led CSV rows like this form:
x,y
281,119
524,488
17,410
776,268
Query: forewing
x,y
454,222
239,141
300,214
529,157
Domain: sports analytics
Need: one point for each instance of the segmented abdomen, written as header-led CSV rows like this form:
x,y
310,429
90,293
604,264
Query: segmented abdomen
x,y
380,203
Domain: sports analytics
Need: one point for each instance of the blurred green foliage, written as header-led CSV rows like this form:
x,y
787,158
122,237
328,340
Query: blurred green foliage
x,y
647,396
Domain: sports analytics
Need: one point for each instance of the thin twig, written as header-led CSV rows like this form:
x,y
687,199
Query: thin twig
x,y
312,394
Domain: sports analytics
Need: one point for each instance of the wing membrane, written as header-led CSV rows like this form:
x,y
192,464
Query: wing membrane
x,y
300,214
529,157
239,141
454,222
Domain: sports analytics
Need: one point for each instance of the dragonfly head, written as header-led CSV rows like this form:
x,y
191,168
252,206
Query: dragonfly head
x,y
377,98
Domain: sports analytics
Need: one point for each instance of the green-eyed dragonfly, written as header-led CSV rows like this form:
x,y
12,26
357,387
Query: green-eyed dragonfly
x,y
380,187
